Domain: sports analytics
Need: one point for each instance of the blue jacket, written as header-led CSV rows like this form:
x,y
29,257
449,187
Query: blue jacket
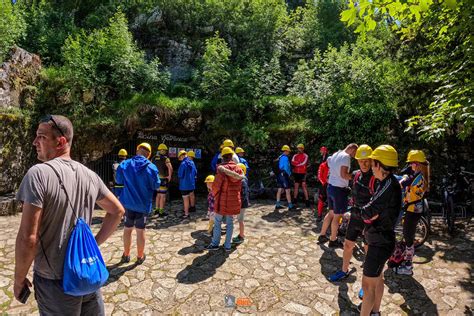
x,y
244,161
140,179
215,162
284,164
187,174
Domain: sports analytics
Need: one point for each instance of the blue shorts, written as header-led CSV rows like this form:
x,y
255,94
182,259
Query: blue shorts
x,y
338,199
283,180
135,219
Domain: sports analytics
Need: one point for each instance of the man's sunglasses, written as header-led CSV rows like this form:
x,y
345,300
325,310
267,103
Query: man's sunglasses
x,y
49,118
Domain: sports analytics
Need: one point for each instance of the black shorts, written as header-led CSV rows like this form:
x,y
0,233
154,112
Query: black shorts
x,y
355,228
186,192
283,180
299,177
163,186
375,259
135,219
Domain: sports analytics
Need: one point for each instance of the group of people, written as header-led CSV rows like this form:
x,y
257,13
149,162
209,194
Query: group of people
x,y
52,192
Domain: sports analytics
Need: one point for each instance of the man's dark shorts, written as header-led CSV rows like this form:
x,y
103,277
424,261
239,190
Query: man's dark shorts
x,y
299,177
338,199
376,258
52,300
283,180
186,192
355,228
135,219
163,186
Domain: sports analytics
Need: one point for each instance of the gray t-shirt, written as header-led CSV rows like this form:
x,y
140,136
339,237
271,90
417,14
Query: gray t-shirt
x,y
40,187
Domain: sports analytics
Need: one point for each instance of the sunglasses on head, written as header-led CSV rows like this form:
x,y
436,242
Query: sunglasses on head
x,y
49,118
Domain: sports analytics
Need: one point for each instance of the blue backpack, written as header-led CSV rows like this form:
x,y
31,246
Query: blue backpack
x,y
84,270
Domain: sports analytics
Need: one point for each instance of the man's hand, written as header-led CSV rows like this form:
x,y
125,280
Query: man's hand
x,y
169,179
18,287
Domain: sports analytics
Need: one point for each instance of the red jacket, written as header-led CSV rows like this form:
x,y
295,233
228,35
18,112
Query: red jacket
x,y
299,163
226,189
323,173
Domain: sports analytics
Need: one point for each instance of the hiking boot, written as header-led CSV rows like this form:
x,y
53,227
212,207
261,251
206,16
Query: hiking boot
x,y
125,259
322,239
361,294
237,239
141,260
335,244
211,247
405,270
338,276
307,203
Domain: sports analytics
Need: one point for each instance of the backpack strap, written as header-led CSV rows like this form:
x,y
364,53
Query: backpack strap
x,y
356,177
372,185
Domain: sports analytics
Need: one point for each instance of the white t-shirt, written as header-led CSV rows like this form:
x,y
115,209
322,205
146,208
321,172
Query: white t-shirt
x,y
335,162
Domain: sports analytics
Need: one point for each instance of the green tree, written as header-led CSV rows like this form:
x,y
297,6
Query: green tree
x,y
12,26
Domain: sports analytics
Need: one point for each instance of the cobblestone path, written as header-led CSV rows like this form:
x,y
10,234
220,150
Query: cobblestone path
x,y
280,269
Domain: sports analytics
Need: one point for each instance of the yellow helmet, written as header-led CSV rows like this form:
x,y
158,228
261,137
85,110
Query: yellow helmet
x,y
226,151
239,150
363,152
243,167
147,147
162,147
209,179
386,154
285,148
228,143
191,154
300,146
122,152
181,152
416,156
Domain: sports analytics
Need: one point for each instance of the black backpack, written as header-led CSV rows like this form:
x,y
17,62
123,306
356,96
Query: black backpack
x,y
276,165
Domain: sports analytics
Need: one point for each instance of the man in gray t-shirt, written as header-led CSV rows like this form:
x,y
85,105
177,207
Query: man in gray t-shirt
x,y
48,218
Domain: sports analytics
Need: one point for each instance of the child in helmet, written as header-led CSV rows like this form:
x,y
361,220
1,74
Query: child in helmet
x,y
210,203
245,204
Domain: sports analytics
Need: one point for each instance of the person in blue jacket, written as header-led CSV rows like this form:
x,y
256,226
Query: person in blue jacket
x,y
241,152
283,174
187,174
140,178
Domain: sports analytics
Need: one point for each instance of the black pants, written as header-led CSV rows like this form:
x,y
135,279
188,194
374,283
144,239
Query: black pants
x,y
409,227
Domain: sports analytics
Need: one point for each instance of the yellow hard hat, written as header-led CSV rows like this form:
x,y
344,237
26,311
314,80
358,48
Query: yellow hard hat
x,y
416,156
386,154
285,148
226,151
147,147
191,154
239,150
122,152
363,152
209,179
300,146
243,167
228,143
181,152
162,147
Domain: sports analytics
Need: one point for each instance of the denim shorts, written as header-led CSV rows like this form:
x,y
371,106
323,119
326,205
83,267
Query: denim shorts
x,y
338,199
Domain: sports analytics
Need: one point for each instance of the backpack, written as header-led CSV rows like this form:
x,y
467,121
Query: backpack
x,y
84,270
371,182
276,165
397,257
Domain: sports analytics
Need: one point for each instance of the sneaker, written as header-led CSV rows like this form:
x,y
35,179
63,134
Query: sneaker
x,y
322,239
237,239
141,260
184,216
405,270
125,259
335,244
279,207
163,213
361,294
292,208
338,276
228,249
307,203
156,211
211,247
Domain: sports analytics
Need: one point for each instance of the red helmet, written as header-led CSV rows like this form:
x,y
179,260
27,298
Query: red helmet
x,y
323,149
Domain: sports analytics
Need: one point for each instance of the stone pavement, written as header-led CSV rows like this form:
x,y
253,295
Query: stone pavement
x,y
278,270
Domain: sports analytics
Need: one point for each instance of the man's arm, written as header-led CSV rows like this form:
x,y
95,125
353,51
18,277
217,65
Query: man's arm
x,y
111,220
26,244
345,174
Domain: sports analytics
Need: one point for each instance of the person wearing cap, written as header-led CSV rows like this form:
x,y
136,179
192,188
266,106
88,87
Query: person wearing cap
x,y
380,216
165,169
323,174
122,155
415,185
187,174
283,173
338,193
300,164
210,203
140,179
241,153
363,187
245,197
226,189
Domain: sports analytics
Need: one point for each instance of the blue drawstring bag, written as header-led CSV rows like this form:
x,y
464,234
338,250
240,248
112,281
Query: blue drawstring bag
x,y
84,270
